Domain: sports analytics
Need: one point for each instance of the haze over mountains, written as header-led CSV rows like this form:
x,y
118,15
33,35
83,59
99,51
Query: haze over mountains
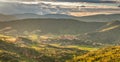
x,y
92,18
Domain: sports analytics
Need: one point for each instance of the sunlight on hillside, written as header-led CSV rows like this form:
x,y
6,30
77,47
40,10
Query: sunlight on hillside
x,y
110,28
33,37
9,39
109,54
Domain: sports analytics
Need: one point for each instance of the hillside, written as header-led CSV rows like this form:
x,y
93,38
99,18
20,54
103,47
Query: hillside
x,y
49,26
26,50
108,54
7,17
100,18
54,16
92,18
107,34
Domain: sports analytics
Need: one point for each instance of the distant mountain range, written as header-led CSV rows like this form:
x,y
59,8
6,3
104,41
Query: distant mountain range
x,y
100,18
31,16
92,18
101,32
98,28
46,26
54,16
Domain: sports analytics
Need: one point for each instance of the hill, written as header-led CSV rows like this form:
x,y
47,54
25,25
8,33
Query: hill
x,y
54,16
108,54
100,18
49,26
6,17
108,34
92,18
28,51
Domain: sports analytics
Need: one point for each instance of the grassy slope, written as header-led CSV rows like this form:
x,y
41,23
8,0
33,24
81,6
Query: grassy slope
x,y
108,54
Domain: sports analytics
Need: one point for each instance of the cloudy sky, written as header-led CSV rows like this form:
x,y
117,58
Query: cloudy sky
x,y
71,7
69,0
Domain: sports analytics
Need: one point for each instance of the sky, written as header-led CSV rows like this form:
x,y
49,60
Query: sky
x,y
67,0
69,7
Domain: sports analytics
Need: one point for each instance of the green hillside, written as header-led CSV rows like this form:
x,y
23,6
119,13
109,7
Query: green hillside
x,y
108,54
48,26
107,34
25,50
59,40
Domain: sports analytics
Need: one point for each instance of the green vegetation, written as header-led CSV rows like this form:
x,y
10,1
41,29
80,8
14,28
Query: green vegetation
x,y
37,52
32,52
48,26
59,40
108,34
108,54
6,56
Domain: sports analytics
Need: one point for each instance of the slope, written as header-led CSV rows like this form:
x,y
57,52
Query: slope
x,y
108,54
49,26
108,34
31,52
100,18
6,17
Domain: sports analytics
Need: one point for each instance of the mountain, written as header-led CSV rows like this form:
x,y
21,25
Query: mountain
x,y
92,18
4,17
108,54
57,16
7,17
45,26
100,18
31,15
108,34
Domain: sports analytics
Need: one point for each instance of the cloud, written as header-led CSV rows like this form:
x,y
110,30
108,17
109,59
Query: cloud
x,y
92,1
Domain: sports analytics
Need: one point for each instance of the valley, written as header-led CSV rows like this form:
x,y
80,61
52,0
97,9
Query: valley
x,y
59,31
58,40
